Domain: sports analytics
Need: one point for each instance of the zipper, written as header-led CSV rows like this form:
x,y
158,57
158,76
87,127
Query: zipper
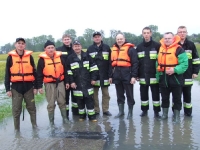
x,y
176,79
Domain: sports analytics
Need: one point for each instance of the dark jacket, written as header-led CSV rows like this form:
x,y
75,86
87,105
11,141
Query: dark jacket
x,y
101,56
20,87
82,72
147,56
40,74
193,61
66,51
124,74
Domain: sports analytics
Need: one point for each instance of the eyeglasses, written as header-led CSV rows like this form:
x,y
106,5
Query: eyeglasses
x,y
167,38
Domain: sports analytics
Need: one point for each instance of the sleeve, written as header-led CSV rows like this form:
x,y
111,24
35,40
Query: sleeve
x,y
182,61
34,72
93,69
134,62
40,75
7,73
69,72
66,78
195,60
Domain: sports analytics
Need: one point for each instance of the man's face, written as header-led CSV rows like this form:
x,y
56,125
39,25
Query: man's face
x,y
146,34
120,39
97,39
50,50
67,41
168,39
20,45
182,32
77,49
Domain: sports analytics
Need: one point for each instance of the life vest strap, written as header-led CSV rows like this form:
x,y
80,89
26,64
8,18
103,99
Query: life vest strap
x,y
21,74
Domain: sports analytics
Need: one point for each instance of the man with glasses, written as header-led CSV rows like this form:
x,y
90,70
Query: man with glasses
x,y
171,64
192,71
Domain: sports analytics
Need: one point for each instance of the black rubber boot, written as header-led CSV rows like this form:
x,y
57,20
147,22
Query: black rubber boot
x,y
121,111
176,115
165,113
51,118
144,113
130,112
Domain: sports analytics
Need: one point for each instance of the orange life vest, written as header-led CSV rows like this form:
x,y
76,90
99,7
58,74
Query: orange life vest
x,y
21,69
53,69
119,57
167,55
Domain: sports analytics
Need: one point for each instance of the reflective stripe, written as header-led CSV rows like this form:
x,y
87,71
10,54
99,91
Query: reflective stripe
x,y
91,91
97,83
74,105
189,53
140,54
91,112
81,111
106,82
93,68
93,54
74,65
196,61
153,54
78,93
142,81
153,81
187,105
188,81
67,107
156,103
144,103
64,53
86,64
105,55
69,72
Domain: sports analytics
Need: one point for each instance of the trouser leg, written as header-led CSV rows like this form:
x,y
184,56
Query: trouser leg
x,y
129,94
105,98
120,93
96,99
89,101
75,110
144,94
176,94
155,97
187,100
81,108
67,101
165,93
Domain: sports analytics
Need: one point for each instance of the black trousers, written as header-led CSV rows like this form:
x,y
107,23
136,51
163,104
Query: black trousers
x,y
86,102
144,94
73,99
121,89
186,91
176,96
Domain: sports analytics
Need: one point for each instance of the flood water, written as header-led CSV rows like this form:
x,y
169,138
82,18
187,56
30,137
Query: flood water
x,y
108,133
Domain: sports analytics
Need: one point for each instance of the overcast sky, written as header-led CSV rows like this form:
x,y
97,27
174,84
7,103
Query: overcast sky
x,y
29,18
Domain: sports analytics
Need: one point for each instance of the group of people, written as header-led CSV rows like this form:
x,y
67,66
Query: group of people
x,y
166,67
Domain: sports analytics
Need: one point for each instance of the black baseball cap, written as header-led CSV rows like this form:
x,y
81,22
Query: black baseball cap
x,y
20,39
76,42
96,33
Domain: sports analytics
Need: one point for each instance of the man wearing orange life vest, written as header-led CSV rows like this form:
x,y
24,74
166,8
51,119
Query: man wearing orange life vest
x,y
21,72
125,70
172,63
51,71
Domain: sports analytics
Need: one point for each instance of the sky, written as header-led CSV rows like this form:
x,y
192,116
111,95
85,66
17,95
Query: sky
x,y
31,18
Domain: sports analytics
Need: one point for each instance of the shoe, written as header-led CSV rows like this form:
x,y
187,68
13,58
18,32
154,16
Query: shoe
x,y
107,113
156,115
130,112
93,120
144,113
81,119
188,115
165,113
121,111
176,116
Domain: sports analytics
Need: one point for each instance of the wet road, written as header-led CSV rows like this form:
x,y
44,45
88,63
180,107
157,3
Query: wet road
x,y
108,133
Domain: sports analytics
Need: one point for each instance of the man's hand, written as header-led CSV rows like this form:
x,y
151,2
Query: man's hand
x,y
73,85
93,82
194,76
35,91
41,91
9,94
67,86
110,80
133,80
170,71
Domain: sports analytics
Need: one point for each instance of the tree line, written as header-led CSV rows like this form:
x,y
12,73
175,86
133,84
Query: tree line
x,y
37,43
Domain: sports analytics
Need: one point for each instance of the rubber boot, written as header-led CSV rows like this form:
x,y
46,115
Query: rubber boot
x,y
165,113
156,114
121,111
51,118
63,113
17,124
130,112
67,114
33,120
144,113
176,115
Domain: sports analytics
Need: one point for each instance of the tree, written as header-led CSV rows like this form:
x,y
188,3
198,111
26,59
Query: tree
x,y
88,36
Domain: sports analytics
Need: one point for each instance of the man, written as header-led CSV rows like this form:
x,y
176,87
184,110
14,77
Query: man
x,y
172,63
100,53
82,74
125,70
52,72
21,72
193,68
147,56
67,50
